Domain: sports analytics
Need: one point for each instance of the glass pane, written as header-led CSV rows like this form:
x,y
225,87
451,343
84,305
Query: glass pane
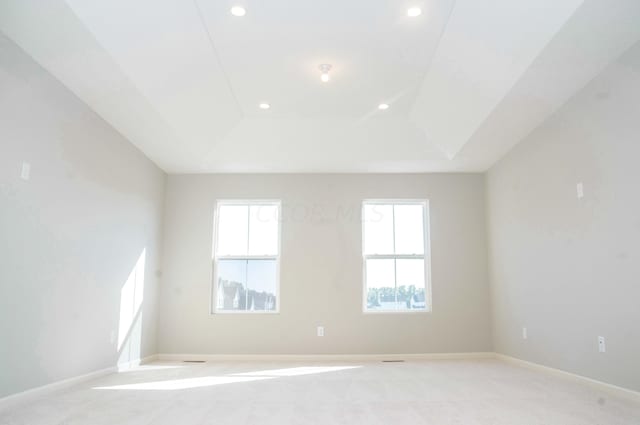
x,y
411,285
263,230
262,284
232,285
380,285
232,230
378,229
409,220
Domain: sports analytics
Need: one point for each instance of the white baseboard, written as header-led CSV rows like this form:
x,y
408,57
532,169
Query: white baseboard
x,y
321,357
45,390
602,386
33,393
137,362
28,395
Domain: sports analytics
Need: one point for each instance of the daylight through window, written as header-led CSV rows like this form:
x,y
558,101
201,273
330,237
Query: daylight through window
x,y
246,257
395,256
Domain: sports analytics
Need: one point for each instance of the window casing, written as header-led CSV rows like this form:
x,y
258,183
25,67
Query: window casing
x,y
396,260
246,257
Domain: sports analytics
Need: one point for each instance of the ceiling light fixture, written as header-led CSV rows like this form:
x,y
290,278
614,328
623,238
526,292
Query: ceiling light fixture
x,y
264,105
324,69
413,12
383,106
238,11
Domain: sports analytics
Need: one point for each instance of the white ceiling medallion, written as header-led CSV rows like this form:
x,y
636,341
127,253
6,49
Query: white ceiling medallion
x,y
324,69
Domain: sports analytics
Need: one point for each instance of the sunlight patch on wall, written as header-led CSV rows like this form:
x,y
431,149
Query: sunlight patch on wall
x,y
130,324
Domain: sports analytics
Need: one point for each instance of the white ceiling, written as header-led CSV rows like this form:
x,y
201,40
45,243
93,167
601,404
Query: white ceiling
x,y
182,79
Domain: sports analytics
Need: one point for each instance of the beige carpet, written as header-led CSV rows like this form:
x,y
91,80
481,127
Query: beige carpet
x,y
442,392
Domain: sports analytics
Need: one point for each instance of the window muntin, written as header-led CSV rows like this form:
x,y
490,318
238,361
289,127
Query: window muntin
x,y
394,255
246,257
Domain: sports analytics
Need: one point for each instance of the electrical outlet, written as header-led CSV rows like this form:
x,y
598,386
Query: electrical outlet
x,y
320,330
580,190
524,333
601,345
25,172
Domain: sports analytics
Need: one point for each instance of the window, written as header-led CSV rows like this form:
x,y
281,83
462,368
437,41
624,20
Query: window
x,y
246,256
395,253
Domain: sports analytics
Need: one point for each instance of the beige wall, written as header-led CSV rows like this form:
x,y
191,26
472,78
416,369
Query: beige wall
x,y
71,235
321,267
569,269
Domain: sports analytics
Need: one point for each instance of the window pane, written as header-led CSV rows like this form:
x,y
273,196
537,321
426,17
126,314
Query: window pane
x,y
261,279
232,285
380,284
263,230
410,284
378,229
409,229
232,230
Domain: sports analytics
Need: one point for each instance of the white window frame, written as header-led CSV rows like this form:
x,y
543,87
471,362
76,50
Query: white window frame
x,y
215,257
426,256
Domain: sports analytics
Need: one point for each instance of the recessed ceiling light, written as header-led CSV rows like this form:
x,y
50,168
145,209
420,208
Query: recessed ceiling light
x,y
238,11
264,105
412,12
383,106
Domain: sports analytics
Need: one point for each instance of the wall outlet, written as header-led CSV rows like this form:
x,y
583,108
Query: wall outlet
x,y
601,345
580,190
320,330
25,172
524,333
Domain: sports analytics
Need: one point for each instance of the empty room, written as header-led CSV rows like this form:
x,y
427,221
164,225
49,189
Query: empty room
x,y
319,212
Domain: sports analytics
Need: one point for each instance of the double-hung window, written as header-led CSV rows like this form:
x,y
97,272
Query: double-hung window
x,y
246,256
396,256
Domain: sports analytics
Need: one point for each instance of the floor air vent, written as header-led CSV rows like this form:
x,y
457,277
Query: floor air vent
x,y
193,361
393,361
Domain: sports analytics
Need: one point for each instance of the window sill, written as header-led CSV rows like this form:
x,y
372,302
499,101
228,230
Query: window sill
x,y
215,313
397,312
